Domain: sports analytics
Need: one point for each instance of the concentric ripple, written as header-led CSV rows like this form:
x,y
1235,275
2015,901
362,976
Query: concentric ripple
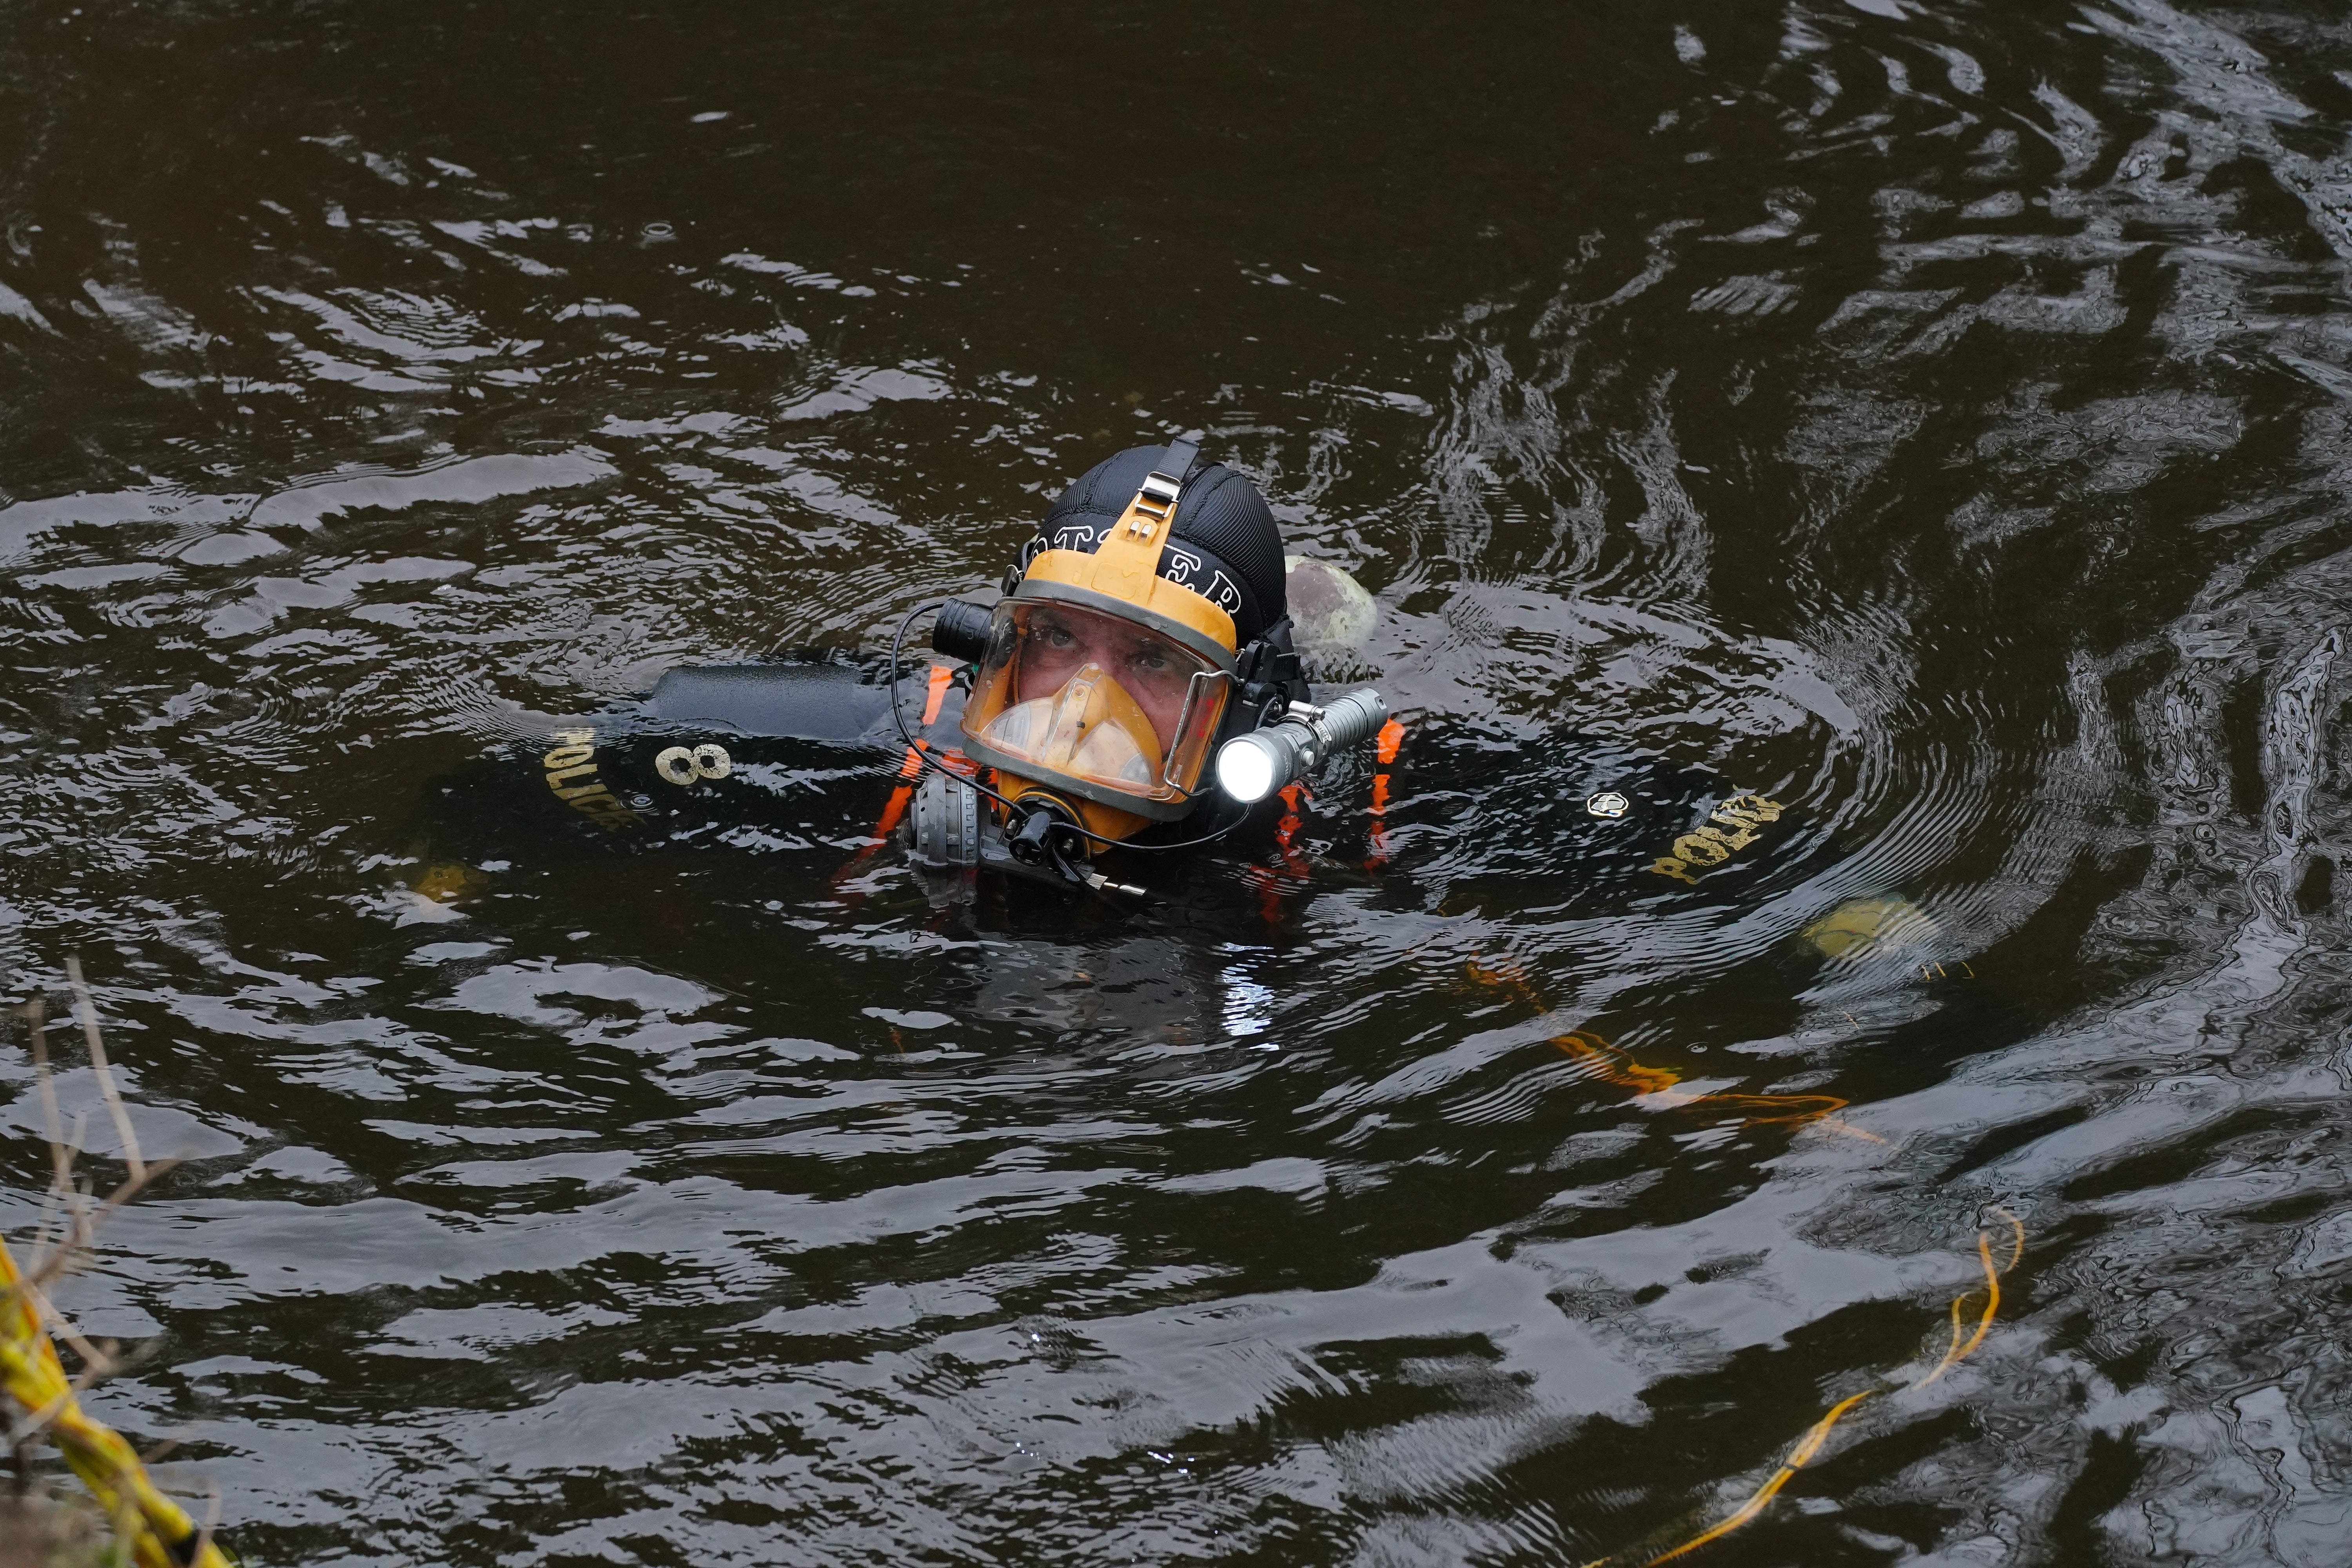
x,y
1930,421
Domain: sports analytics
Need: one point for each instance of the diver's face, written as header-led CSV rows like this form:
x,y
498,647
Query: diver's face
x,y
1060,643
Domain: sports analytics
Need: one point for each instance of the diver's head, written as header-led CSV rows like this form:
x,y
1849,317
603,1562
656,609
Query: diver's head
x,y
1066,640
1148,603
1224,543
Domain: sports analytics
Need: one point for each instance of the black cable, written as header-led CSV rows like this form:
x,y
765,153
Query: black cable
x,y
1186,843
922,753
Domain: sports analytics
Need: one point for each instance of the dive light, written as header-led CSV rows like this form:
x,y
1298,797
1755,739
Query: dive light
x,y
1251,767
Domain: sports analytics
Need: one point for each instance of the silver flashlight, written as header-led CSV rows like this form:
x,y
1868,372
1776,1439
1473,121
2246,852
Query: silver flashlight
x,y
1251,767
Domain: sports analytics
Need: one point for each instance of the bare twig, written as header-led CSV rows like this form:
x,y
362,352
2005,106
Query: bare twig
x,y
89,1009
61,1194
82,1236
70,1203
212,1522
61,1327
36,1013
30,1427
151,1529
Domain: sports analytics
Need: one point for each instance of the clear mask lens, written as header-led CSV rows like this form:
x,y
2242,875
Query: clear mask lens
x,y
1076,694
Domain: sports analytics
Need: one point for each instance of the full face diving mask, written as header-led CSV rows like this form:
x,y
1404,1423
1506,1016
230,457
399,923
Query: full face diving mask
x,y
1104,683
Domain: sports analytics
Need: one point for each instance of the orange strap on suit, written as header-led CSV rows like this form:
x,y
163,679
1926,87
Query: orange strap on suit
x,y
1268,879
1386,746
1390,740
941,673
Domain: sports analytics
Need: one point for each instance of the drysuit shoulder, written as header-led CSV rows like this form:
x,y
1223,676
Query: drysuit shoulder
x,y
813,701
769,754
1571,821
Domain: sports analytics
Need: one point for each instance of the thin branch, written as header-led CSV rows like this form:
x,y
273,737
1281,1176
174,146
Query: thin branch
x,y
93,1360
31,1427
83,1238
37,1018
66,1204
89,1009
212,1522
36,1013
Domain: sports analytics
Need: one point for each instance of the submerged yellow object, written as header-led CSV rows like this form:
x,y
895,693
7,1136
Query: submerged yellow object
x,y
1888,924
1860,921
1605,1061
1963,1344
451,882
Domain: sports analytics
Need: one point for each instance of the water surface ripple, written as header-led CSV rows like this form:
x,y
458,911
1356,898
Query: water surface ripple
x,y
1937,418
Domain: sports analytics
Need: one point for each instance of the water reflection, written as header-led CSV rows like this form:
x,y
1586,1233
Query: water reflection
x,y
1931,420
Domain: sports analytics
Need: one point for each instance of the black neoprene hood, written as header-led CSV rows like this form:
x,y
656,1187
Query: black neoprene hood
x,y
1224,544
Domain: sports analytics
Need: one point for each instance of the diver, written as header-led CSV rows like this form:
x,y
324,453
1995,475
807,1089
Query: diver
x,y
1145,628
1136,689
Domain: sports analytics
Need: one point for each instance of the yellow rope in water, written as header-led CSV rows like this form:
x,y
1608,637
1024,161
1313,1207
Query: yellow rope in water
x,y
1963,1345
1602,1060
1807,1447
1606,1062
1959,1353
159,1535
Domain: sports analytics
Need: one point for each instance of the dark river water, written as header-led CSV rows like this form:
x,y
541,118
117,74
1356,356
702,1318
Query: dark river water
x,y
1934,417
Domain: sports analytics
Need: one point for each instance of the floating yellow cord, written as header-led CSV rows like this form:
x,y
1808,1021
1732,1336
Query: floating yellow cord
x,y
1963,1344
1602,1060
1961,1351
159,1533
1798,1456
1605,1061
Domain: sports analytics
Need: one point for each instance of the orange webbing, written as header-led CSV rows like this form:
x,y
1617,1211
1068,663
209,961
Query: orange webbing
x,y
1268,879
895,808
1388,742
941,673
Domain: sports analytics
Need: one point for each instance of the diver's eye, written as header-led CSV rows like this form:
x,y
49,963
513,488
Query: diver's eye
x,y
1056,635
1152,660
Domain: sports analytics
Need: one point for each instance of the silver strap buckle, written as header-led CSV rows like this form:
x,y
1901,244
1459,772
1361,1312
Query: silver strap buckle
x,y
1156,497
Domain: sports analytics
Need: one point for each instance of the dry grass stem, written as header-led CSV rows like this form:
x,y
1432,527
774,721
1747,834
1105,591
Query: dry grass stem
x,y
149,1528
88,1008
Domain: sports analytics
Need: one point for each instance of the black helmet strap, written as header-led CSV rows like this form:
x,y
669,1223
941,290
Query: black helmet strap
x,y
1156,502
1181,454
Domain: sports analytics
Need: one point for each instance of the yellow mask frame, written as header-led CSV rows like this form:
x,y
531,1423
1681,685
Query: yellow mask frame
x,y
1120,578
